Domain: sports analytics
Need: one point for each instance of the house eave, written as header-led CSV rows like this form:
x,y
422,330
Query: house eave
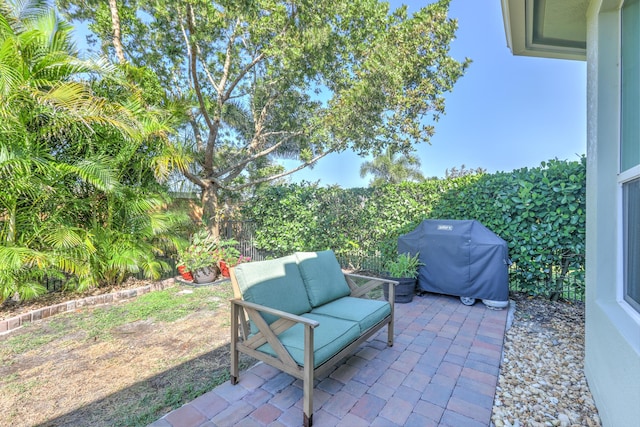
x,y
546,28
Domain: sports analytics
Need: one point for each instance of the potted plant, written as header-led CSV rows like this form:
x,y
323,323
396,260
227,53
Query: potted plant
x,y
226,265
403,269
228,256
200,257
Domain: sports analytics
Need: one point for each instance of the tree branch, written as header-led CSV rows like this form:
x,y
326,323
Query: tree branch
x,y
208,73
239,167
253,63
194,178
193,68
280,175
241,75
227,66
258,125
196,131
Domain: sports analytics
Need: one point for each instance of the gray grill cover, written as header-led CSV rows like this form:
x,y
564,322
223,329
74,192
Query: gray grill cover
x,y
461,257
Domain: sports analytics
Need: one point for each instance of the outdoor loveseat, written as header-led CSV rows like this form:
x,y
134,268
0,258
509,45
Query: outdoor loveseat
x,y
304,315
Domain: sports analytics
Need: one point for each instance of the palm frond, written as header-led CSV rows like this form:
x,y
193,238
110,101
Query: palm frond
x,y
64,237
95,171
27,11
173,157
240,118
6,30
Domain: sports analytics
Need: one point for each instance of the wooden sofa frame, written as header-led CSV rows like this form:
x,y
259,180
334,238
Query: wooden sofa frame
x,y
242,341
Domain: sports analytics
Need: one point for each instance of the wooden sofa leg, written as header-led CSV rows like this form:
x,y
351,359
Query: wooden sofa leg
x,y
307,405
234,340
234,365
307,383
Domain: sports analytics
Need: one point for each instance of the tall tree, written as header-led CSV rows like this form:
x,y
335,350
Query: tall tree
x,y
308,78
392,168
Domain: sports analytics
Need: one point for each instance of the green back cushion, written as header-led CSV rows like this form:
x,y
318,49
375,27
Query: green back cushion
x,y
322,277
275,283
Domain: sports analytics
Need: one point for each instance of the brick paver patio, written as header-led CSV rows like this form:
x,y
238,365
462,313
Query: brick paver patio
x,y
441,371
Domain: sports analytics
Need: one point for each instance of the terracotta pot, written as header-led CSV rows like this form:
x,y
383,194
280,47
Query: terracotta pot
x,y
186,275
224,269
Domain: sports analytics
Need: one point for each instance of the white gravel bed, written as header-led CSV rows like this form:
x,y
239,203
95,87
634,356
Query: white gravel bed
x,y
542,379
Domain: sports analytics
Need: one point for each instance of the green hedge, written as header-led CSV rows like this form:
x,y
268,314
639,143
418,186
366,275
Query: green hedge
x,y
539,211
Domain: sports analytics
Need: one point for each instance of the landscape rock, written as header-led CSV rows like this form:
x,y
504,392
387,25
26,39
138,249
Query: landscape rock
x,y
541,380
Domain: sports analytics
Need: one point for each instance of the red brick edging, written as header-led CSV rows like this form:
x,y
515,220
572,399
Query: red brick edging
x,y
12,323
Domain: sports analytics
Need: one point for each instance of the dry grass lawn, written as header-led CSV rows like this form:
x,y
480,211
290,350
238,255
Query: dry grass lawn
x,y
122,364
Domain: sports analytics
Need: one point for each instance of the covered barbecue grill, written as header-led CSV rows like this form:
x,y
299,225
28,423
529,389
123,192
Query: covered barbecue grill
x,y
462,258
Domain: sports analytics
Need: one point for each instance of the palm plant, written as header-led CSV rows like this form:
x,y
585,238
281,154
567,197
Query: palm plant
x,y
62,210
392,168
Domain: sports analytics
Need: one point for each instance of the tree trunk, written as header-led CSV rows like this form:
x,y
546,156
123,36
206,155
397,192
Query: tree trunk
x,y
559,281
115,26
13,229
210,209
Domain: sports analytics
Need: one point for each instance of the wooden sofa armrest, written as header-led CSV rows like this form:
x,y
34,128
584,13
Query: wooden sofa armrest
x,y
268,333
372,283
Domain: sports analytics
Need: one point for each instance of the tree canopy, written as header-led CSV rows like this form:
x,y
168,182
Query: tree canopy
x,y
268,79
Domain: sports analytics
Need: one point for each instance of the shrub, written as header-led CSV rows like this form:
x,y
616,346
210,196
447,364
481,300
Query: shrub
x,y
540,212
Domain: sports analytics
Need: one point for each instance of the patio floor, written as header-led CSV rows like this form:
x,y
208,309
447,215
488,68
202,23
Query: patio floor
x,y
441,371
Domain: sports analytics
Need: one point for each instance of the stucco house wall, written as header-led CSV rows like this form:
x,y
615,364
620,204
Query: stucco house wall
x,y
612,342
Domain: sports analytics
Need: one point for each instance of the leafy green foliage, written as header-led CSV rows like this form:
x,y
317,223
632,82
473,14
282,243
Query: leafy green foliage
x,y
454,172
404,266
261,81
80,198
540,212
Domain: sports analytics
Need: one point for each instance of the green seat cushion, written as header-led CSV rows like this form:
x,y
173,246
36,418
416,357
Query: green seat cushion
x,y
322,277
331,336
365,312
274,283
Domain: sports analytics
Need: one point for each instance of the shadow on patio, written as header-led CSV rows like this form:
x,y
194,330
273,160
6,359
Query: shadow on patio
x,y
441,371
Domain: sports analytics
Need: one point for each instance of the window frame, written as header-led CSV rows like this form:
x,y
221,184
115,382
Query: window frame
x,y
630,174
630,304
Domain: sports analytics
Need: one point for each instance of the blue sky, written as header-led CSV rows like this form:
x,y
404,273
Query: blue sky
x,y
505,113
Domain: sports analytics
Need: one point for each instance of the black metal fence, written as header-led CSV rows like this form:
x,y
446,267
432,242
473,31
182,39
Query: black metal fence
x,y
243,232
53,284
569,287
